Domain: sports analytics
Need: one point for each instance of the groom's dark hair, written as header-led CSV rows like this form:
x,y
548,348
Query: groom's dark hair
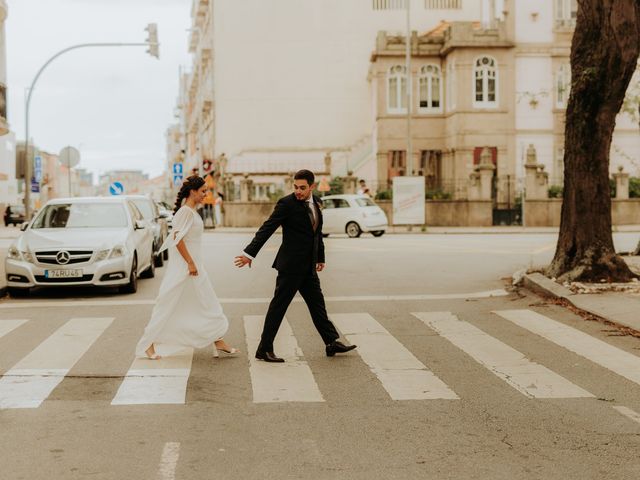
x,y
305,175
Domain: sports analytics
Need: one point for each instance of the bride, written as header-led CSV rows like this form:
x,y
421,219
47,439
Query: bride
x,y
187,312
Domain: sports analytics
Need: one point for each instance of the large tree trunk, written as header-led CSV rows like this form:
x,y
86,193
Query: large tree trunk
x,y
604,54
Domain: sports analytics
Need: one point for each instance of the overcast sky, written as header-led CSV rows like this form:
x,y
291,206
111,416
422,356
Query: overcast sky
x,y
113,104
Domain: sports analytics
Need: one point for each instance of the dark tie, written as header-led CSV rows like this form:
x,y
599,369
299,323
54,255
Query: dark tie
x,y
313,215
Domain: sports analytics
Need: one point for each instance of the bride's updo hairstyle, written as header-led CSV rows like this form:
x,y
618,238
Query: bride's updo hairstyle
x,y
194,182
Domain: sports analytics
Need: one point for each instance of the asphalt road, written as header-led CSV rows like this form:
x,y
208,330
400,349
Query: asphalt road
x,y
454,377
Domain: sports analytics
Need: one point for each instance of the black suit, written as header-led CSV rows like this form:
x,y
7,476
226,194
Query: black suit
x,y
302,248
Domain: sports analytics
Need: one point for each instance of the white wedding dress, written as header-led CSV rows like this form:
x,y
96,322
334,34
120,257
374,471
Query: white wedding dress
x,y
187,312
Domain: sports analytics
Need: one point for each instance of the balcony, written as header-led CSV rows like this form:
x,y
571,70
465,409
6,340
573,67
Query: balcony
x,y
199,11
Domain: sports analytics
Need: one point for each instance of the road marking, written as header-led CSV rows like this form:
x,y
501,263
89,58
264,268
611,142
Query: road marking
x,y
529,378
169,461
627,412
162,381
402,375
7,326
612,358
33,379
31,304
291,381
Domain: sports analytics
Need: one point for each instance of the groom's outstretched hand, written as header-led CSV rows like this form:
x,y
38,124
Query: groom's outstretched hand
x,y
241,261
319,267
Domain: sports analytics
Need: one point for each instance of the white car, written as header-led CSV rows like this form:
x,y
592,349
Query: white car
x,y
102,241
352,214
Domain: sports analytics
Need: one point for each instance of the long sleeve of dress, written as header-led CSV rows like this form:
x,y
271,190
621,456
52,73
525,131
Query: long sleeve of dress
x,y
182,222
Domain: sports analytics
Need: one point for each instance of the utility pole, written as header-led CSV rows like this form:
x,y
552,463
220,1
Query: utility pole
x,y
409,91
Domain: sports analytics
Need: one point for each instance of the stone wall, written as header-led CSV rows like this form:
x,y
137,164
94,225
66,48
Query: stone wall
x,y
546,213
450,213
445,213
246,214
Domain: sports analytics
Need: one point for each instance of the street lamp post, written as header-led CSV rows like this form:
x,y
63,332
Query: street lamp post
x,y
152,43
409,91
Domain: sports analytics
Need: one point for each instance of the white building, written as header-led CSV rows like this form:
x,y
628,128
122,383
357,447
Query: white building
x,y
297,79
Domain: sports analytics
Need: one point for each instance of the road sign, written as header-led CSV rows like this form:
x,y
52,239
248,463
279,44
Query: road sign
x,y
35,186
178,169
177,180
116,188
37,171
69,157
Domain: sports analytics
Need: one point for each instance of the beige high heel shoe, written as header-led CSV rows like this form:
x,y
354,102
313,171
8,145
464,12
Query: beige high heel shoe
x,y
216,351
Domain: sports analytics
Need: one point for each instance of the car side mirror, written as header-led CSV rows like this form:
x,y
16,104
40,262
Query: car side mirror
x,y
139,225
24,226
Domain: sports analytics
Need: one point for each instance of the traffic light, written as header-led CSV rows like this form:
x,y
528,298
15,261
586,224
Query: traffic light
x,y
152,40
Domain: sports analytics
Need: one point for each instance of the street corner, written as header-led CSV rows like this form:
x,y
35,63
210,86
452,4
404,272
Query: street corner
x,y
617,303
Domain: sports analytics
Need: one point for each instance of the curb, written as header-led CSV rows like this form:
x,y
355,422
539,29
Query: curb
x,y
545,287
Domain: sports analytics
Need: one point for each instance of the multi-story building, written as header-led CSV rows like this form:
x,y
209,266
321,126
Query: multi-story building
x,y
9,186
299,78
502,84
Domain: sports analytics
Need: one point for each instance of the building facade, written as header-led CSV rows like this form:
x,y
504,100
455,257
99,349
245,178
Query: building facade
x,y
502,85
276,85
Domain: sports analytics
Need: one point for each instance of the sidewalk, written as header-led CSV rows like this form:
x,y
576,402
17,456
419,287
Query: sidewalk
x,y
448,230
616,303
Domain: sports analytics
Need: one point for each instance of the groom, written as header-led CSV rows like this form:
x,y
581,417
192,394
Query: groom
x,y
298,262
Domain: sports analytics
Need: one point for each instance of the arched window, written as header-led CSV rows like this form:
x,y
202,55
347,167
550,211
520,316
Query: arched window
x,y
397,89
430,88
563,85
485,87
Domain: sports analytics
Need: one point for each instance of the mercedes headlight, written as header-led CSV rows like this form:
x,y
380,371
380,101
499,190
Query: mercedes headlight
x,y
101,255
118,251
14,253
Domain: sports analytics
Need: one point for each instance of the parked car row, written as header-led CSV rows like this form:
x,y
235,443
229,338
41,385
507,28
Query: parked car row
x,y
101,241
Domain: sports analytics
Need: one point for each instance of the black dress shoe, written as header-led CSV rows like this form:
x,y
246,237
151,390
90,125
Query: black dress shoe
x,y
268,357
338,347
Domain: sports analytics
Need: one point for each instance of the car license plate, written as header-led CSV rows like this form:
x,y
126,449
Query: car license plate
x,y
63,273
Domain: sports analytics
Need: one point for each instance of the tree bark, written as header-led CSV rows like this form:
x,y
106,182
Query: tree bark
x,y
604,54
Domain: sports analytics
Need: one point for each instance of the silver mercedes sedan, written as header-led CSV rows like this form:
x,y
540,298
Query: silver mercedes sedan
x,y
102,241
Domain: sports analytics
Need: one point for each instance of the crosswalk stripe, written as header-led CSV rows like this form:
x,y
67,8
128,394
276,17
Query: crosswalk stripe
x,y
162,381
402,375
33,379
7,326
169,461
627,412
612,358
288,382
529,378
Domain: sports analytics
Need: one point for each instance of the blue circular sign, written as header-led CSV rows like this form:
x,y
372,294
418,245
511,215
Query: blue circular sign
x,y
116,188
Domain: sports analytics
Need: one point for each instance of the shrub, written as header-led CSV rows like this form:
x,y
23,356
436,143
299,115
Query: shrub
x,y
275,196
437,194
555,191
384,195
337,186
634,187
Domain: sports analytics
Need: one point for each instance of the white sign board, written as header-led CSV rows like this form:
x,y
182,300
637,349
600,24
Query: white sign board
x,y
408,201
